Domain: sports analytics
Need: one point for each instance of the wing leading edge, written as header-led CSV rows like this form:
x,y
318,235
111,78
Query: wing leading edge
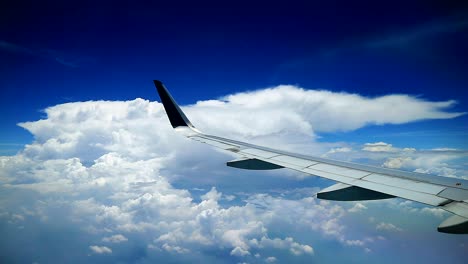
x,y
356,182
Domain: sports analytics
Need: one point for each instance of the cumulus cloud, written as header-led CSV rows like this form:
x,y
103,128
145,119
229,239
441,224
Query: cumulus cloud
x,y
17,217
358,207
118,168
434,211
288,243
396,163
175,249
379,147
327,111
387,227
100,249
239,252
354,243
431,162
337,151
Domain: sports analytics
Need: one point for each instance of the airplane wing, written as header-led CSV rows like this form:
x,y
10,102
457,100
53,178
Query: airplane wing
x,y
356,182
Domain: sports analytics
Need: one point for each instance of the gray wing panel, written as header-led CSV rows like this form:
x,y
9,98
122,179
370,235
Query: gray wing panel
x,y
334,165
396,187
401,184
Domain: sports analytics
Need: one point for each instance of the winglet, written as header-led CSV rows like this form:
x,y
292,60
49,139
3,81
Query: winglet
x,y
175,114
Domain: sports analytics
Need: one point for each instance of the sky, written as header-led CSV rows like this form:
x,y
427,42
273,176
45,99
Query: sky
x,y
90,169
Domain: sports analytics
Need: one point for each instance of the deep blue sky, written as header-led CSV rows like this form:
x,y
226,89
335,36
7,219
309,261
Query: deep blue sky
x,y
53,52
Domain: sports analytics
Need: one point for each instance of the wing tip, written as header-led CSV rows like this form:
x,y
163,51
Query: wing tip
x,y
174,113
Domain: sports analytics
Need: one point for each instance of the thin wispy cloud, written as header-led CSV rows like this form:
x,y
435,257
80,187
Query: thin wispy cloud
x,y
49,54
10,47
420,32
400,39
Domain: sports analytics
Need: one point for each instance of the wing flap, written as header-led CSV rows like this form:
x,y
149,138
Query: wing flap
x,y
458,208
405,183
454,194
412,195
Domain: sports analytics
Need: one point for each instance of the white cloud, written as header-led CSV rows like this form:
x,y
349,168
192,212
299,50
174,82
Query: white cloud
x,y
288,243
337,150
239,252
270,260
17,217
387,227
328,111
115,239
379,147
396,163
355,243
212,195
100,249
114,167
229,197
434,211
431,162
175,249
444,149
358,207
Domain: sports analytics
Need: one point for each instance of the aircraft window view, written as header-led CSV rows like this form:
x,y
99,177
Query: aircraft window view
x,y
234,132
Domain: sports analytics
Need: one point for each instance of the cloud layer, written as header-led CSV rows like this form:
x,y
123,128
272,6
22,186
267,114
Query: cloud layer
x,y
117,177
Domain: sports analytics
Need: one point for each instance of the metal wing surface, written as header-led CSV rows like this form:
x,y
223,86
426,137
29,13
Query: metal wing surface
x,y
357,182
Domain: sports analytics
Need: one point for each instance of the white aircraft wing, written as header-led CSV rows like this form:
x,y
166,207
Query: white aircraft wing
x,y
356,182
